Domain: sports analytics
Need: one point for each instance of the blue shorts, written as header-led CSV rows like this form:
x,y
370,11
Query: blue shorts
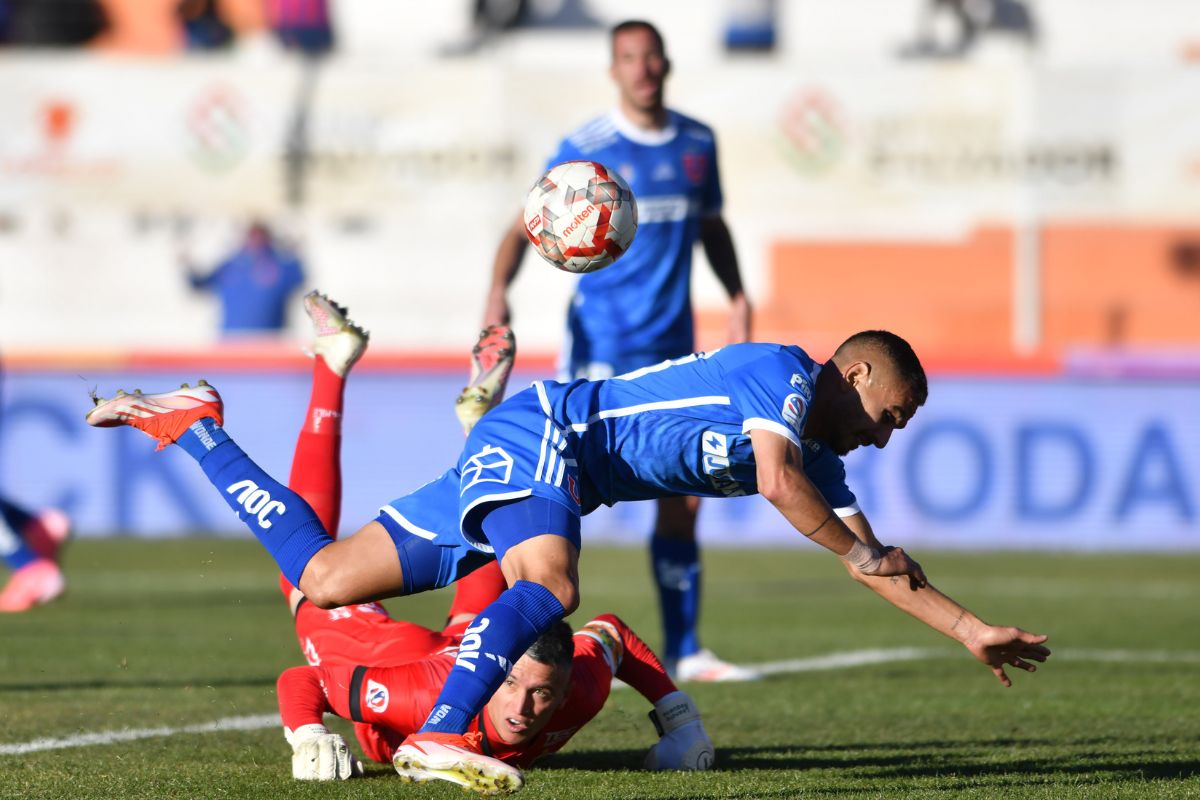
x,y
514,453
595,358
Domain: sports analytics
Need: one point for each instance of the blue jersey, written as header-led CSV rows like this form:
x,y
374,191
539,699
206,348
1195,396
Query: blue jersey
x,y
677,428
683,427
254,285
638,311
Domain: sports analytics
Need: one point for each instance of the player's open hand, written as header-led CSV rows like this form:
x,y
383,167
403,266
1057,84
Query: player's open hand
x,y
999,646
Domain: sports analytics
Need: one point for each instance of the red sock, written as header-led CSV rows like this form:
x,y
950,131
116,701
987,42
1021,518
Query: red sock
x,y
477,591
316,466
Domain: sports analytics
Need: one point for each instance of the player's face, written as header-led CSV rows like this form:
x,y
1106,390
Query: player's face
x,y
639,69
877,402
527,699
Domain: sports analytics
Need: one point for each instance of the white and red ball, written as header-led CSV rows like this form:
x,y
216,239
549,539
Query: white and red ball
x,y
580,216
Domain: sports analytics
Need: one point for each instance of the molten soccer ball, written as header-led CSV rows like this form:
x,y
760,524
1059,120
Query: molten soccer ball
x,y
580,216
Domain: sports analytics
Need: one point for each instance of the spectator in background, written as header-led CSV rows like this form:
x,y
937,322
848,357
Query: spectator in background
x,y
957,28
203,26
254,283
301,25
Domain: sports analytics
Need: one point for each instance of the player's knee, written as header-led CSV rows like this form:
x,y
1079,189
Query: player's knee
x,y
566,592
325,586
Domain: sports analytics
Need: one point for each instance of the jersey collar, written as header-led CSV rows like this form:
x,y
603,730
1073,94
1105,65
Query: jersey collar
x,y
642,136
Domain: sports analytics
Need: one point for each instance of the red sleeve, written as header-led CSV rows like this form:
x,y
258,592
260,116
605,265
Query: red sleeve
x,y
397,698
301,701
631,659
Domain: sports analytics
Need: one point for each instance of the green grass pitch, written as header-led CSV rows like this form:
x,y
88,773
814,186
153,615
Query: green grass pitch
x,y
171,634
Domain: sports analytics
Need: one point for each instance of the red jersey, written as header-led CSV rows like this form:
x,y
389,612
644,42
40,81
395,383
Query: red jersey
x,y
390,702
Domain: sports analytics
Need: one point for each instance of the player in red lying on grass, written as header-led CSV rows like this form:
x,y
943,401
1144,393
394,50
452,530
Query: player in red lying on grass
x,y
385,674
558,686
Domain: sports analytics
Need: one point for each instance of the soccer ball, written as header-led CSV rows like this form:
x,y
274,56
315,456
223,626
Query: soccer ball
x,y
580,216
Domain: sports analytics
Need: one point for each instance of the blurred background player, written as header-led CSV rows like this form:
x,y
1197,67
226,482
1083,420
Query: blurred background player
x,y
29,544
385,674
638,311
254,283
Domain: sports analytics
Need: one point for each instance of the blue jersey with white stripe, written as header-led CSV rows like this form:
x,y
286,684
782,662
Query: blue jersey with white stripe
x,y
677,428
682,427
638,311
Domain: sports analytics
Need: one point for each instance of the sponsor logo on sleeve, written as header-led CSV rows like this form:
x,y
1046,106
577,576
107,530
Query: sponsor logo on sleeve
x,y
793,412
802,384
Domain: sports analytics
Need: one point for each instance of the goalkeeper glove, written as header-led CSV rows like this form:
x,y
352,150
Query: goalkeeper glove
x,y
684,743
318,755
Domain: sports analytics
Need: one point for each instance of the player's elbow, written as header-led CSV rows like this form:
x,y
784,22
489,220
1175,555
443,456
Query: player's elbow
x,y
773,486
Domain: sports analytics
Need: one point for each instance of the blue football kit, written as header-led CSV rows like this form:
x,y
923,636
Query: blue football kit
x,y
638,311
680,427
533,466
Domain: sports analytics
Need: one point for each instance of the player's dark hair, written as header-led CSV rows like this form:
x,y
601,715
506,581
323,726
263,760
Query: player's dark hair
x,y
555,647
899,353
637,24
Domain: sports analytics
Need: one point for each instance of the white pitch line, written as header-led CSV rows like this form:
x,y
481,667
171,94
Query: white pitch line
x,y
251,723
829,661
852,658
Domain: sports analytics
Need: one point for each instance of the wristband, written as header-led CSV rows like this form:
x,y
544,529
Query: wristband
x,y
863,557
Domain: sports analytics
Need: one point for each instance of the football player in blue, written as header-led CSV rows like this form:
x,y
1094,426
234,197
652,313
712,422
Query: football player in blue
x,y
747,418
638,311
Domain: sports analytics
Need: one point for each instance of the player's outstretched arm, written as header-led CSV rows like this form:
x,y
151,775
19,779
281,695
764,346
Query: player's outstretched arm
x,y
781,480
719,250
504,269
995,646
609,644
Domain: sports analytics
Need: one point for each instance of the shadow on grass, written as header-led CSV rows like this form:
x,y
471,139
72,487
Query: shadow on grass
x,y
1105,758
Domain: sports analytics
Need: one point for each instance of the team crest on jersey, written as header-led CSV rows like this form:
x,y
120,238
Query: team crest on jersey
x,y
377,697
793,411
489,464
696,167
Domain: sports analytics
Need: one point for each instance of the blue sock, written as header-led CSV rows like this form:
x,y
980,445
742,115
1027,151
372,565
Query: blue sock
x,y
496,638
676,565
279,517
15,551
